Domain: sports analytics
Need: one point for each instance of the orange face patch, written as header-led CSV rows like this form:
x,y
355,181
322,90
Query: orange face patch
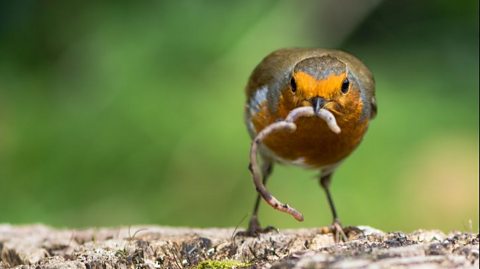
x,y
309,87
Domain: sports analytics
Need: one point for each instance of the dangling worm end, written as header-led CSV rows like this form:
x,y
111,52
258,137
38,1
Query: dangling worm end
x,y
299,217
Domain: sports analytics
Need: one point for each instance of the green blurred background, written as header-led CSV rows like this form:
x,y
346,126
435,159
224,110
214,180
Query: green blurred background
x,y
131,112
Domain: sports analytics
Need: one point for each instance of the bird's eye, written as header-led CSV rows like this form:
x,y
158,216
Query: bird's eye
x,y
293,85
345,85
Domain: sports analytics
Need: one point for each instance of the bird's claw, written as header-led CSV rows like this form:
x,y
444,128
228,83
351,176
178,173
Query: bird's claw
x,y
254,229
340,233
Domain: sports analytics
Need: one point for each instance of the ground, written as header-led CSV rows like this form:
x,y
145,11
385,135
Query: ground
x,y
38,246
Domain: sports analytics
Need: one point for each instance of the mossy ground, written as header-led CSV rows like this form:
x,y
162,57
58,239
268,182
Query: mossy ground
x,y
226,264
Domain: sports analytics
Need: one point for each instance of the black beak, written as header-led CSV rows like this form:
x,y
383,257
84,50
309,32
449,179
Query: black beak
x,y
317,103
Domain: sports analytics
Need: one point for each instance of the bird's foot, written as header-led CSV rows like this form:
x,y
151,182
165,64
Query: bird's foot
x,y
340,233
254,229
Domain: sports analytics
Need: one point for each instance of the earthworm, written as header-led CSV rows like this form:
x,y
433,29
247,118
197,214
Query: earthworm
x,y
287,124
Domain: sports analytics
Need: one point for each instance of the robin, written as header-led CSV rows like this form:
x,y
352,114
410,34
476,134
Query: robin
x,y
322,79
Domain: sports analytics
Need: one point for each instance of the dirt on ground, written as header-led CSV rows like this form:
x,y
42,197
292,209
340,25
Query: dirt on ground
x,y
38,246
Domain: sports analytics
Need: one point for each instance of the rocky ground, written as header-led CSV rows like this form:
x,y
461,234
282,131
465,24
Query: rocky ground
x,y
39,246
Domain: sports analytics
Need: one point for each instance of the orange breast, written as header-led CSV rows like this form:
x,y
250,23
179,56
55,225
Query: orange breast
x,y
313,144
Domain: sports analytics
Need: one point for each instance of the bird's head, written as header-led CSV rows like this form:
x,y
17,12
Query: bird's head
x,y
324,82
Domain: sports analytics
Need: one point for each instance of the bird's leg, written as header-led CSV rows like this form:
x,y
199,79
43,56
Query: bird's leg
x,y
254,227
336,227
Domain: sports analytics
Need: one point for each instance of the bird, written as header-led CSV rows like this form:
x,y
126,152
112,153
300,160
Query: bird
x,y
290,78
